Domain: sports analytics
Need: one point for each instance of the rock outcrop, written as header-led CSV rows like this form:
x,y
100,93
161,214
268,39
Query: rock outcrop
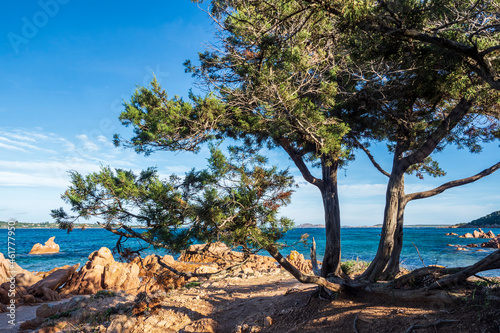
x,y
53,281
493,243
9,269
490,234
155,277
298,260
479,234
218,256
103,272
49,247
451,234
29,288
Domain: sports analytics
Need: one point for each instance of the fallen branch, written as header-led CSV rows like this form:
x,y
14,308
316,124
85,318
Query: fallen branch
x,y
490,262
435,324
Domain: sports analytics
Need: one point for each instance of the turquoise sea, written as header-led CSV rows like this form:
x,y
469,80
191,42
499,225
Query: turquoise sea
x,y
357,243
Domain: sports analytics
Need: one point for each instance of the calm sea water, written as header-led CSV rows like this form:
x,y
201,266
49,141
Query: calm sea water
x,y
357,243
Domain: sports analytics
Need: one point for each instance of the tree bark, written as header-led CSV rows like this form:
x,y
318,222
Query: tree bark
x,y
392,268
329,193
391,242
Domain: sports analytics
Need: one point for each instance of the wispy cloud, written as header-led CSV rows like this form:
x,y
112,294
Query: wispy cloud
x,y
23,141
87,144
28,163
10,147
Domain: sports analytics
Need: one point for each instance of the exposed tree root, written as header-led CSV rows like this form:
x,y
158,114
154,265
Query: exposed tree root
x,y
301,277
427,283
490,262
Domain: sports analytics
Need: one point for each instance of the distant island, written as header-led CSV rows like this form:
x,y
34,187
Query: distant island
x,y
489,221
53,225
309,225
44,225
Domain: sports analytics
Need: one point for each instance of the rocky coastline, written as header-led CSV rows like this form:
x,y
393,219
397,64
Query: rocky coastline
x,y
143,296
130,284
493,243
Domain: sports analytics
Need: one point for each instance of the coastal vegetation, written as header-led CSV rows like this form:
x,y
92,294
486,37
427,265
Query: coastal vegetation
x,y
320,81
52,225
489,221
4,224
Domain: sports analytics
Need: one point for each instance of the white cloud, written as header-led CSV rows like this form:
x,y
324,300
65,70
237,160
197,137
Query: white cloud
x,y
9,147
33,167
87,144
20,137
18,142
102,139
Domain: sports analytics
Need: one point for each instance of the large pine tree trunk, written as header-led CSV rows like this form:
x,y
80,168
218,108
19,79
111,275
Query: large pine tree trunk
x,y
388,240
392,268
331,259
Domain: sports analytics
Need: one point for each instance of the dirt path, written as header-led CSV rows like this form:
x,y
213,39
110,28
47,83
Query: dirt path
x,y
256,302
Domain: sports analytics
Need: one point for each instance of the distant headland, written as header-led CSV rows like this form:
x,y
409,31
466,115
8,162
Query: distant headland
x,y
53,225
309,225
488,221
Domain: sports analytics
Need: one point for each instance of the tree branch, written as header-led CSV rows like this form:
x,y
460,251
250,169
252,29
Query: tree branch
x,y
455,116
203,275
132,234
301,165
454,183
370,156
489,50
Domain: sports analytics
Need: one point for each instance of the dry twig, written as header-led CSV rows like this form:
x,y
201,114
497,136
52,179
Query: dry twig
x,y
355,321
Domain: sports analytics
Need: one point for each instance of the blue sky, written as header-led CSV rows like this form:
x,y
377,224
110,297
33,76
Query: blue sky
x,y
66,67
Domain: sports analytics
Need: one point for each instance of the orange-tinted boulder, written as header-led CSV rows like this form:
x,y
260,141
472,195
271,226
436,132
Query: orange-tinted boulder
x,y
49,247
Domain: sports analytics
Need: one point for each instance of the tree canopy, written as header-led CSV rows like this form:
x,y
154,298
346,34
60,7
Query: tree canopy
x,y
320,80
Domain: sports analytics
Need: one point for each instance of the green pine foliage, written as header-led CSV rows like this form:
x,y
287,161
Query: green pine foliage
x,y
235,200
